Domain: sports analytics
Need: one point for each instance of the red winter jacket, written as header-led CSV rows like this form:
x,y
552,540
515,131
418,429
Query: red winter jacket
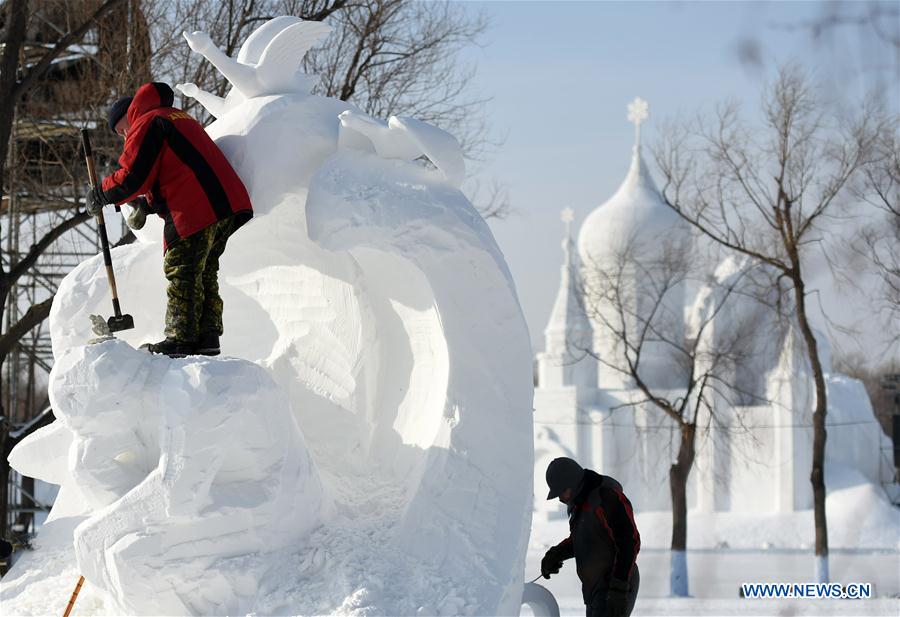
x,y
169,156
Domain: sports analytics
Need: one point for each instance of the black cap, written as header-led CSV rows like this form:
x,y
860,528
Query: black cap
x,y
117,110
563,473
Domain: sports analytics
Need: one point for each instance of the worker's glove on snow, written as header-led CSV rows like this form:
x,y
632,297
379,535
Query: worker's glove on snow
x,y
617,598
551,563
138,216
94,201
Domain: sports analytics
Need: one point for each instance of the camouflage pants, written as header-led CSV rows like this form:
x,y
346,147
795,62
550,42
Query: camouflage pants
x,y
191,266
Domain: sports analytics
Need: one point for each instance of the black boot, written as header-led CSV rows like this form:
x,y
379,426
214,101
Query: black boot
x,y
208,345
170,347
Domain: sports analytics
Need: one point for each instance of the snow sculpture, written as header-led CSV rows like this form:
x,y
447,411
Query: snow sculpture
x,y
408,139
266,64
374,294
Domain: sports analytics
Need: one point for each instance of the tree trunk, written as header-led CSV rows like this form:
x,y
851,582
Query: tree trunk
x,y
4,478
678,478
16,22
817,476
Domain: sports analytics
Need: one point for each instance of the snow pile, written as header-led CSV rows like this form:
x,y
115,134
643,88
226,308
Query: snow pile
x,y
375,297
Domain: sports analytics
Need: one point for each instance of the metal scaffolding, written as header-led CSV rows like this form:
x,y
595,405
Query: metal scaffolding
x,y
28,365
44,183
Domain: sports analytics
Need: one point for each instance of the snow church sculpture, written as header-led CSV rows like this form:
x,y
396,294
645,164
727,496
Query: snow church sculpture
x,y
581,405
373,293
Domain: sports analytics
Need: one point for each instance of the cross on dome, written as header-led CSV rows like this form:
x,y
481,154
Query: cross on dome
x,y
638,111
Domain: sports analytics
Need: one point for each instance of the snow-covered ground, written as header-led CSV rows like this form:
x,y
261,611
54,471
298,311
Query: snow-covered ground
x,y
716,576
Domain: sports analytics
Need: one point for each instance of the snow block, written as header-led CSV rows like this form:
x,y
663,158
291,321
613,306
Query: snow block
x,y
193,468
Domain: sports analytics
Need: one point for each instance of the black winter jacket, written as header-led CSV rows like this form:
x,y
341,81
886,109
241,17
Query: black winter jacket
x,y
603,537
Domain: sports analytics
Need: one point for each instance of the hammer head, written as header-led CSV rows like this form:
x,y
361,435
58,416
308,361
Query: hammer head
x,y
117,324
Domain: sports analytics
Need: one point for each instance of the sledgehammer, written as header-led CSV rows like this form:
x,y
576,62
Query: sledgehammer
x,y
118,321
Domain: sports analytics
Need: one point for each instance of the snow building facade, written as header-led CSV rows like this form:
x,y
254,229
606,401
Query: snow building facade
x,y
620,289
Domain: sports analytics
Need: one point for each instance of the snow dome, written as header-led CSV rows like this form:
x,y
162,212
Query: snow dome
x,y
636,212
633,235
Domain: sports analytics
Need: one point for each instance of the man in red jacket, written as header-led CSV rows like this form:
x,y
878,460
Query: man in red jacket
x,y
169,158
603,538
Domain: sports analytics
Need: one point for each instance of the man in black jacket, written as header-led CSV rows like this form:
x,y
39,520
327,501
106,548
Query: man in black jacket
x,y
603,538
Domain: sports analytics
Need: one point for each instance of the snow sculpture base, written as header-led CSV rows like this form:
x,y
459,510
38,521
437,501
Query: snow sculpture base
x,y
211,472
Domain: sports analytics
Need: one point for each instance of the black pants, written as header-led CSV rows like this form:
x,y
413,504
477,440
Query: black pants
x,y
597,607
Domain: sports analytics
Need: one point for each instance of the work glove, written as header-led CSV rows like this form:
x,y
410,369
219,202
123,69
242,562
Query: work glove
x,y
138,216
617,598
551,563
94,201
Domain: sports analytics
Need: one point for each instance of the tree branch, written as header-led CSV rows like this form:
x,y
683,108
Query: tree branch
x,y
43,244
321,14
35,315
74,36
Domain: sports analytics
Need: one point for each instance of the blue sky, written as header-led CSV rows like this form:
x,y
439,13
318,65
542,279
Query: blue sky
x,y
560,75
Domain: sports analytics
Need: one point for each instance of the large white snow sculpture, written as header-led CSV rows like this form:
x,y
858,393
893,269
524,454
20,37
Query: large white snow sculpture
x,y
374,294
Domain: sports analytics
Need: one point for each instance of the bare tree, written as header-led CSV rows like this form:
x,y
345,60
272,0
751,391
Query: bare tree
x,y
634,297
492,201
879,241
399,57
17,81
765,193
